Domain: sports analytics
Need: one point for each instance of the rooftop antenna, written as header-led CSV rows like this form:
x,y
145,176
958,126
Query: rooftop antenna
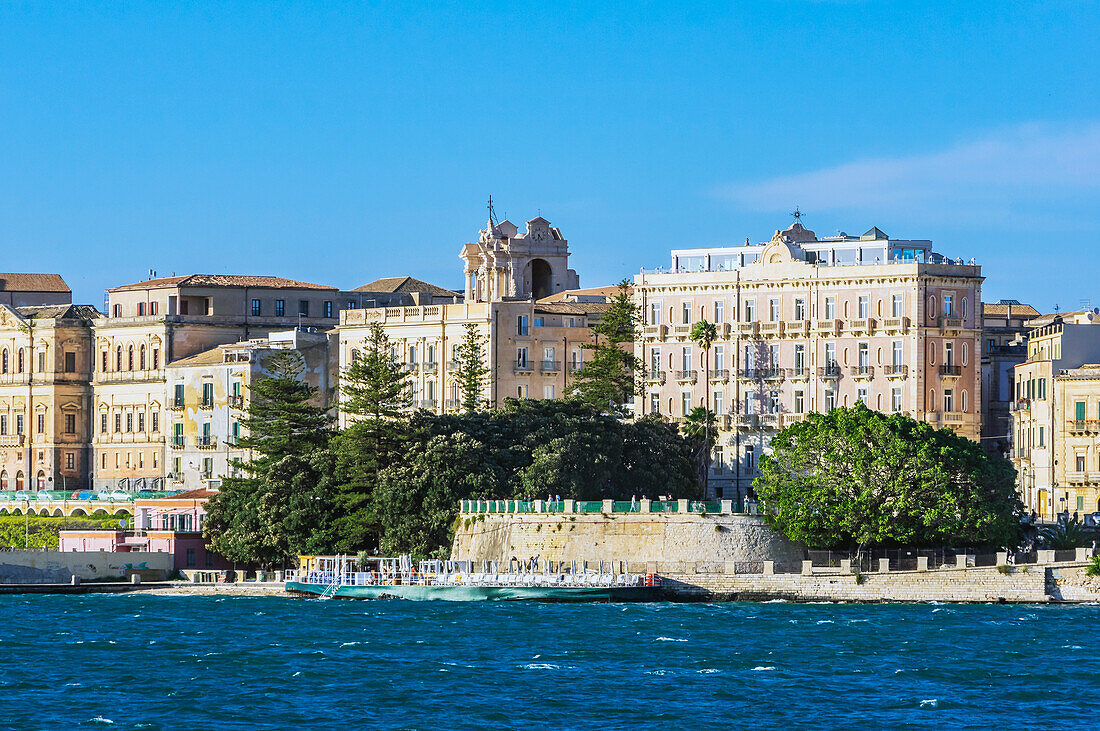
x,y
492,213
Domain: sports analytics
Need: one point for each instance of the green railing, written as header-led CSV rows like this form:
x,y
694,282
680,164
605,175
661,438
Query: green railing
x,y
664,506
588,506
705,506
555,506
626,506
699,507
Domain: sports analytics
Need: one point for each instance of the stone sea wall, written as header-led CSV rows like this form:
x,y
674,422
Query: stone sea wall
x,y
982,584
57,567
646,541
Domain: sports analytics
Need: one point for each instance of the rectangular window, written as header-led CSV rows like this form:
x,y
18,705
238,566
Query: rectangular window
x,y
830,400
117,310
861,395
41,362
207,467
948,305
156,422
236,431
685,312
118,423
103,423
685,360
303,308
799,402
718,399
654,360
548,392
773,357
70,362
750,311
719,311
280,308
1079,411
141,309
70,461
800,309
1080,502
863,357
654,403
773,310
190,558
719,358
208,395
895,306
152,308
257,308
129,421
750,403
521,357
949,354
521,325
895,399
3,431
830,308
1080,462
41,423
654,313
799,357
685,403
897,356
328,308
521,391
830,355
141,421
948,400
749,359
864,307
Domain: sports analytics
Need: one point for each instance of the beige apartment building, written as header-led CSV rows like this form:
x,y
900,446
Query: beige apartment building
x,y
33,290
1056,417
208,395
159,321
45,396
807,324
1004,346
522,298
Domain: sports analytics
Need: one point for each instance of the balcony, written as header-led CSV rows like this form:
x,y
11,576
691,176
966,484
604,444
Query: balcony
x,y
895,371
761,374
206,442
952,417
895,324
771,329
128,376
724,421
862,372
236,401
656,331
655,377
411,367
747,329
796,328
1084,426
721,375
176,405
429,366
428,404
452,404
1022,405
832,370
177,442
452,365
206,405
550,366
682,331
11,440
951,371
8,379
723,330
770,421
863,325
522,366
575,366
687,376
798,374
948,322
745,421
789,419
827,327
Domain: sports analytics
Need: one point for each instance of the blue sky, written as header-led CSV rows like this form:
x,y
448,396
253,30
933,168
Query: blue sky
x,y
340,142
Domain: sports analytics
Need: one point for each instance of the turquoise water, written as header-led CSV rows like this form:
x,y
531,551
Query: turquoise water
x,y
155,662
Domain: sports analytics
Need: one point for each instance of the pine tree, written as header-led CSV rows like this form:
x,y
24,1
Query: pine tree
x,y
375,385
471,369
607,378
272,510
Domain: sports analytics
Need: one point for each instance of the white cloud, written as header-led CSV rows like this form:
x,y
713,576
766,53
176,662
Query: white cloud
x,y
1029,174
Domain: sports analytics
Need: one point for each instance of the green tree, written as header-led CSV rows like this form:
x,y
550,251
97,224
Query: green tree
x,y
704,334
607,378
855,476
376,397
254,518
471,371
375,386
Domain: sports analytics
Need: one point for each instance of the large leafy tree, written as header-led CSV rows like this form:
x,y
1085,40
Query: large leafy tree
x,y
471,371
701,432
607,378
854,477
273,509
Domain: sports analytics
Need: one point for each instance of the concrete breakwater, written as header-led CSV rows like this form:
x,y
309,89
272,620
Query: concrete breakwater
x,y
59,567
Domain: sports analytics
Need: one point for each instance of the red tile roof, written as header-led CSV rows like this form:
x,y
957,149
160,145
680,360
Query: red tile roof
x,y
222,280
33,283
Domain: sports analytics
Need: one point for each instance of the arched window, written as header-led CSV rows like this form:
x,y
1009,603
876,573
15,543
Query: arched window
x,y
40,480
3,479
965,354
118,358
878,402
130,359
141,359
962,312
4,361
20,365
19,480
932,308
932,400
931,354
964,401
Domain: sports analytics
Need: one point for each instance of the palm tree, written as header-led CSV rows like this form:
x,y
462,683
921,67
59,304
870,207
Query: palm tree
x,y
704,334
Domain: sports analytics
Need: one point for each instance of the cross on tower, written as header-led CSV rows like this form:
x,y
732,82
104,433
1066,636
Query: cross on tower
x,y
797,215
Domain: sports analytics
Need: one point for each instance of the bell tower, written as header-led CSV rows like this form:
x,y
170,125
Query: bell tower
x,y
505,264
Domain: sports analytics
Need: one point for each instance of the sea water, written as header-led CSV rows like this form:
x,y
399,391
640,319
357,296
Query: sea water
x,y
198,662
